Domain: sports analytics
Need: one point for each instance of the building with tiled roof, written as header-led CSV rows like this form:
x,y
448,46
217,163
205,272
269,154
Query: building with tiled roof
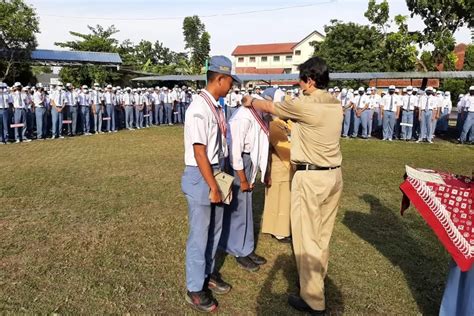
x,y
276,58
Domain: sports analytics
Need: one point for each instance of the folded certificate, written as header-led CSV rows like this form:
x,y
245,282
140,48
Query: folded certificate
x,y
224,182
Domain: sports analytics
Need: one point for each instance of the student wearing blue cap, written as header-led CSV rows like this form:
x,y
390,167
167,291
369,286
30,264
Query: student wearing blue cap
x,y
205,149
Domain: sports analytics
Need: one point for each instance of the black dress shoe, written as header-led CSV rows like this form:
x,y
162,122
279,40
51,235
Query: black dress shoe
x,y
284,240
247,264
201,301
257,259
217,285
298,303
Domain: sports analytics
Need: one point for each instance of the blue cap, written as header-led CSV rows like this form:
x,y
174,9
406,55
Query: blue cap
x,y
222,65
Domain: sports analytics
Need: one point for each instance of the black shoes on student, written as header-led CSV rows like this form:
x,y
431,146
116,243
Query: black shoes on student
x,y
252,262
203,301
217,285
298,303
283,240
257,259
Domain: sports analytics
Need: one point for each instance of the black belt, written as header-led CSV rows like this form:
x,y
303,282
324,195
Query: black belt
x,y
314,167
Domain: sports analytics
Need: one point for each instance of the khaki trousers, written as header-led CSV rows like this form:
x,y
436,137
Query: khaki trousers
x,y
315,199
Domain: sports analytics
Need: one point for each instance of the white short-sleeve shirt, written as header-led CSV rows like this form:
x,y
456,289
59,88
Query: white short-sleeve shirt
x,y
390,102
468,103
19,100
374,101
240,138
201,127
38,99
410,101
428,102
360,101
5,100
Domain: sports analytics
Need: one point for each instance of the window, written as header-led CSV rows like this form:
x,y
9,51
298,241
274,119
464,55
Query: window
x,y
241,59
252,59
289,58
264,59
276,58
297,52
287,70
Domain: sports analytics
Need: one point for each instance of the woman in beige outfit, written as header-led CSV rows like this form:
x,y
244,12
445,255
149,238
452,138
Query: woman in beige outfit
x,y
276,213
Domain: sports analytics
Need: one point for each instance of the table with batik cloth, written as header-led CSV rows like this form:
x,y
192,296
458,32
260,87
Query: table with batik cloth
x,y
445,201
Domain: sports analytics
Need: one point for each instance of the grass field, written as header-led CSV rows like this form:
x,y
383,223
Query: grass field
x,y
95,225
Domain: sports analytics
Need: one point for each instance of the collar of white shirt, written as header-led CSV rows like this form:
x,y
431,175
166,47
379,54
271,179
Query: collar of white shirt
x,y
211,97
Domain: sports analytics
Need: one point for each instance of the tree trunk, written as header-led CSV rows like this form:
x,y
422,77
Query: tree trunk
x,y
9,65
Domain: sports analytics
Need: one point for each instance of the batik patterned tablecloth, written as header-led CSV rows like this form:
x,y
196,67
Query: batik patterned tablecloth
x,y
446,203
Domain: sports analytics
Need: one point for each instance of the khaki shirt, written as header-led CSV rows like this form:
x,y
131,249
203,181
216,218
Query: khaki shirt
x,y
316,131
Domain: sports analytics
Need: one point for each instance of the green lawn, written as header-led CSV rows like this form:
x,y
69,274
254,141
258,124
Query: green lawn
x,y
96,225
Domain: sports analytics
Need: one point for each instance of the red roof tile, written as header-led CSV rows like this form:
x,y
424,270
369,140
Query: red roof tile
x,y
264,49
460,51
260,71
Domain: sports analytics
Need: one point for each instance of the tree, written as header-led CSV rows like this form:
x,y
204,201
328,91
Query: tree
x,y
378,14
99,40
426,62
400,51
18,25
197,41
442,19
469,58
455,86
350,47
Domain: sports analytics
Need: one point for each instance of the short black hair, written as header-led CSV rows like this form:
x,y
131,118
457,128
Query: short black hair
x,y
315,68
211,75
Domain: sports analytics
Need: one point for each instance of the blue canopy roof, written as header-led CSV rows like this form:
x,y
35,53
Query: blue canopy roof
x,y
79,57
333,76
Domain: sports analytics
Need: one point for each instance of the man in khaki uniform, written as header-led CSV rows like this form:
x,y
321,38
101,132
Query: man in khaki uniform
x,y
317,184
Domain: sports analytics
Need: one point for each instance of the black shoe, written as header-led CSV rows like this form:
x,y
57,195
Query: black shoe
x,y
217,285
284,240
257,259
299,304
201,301
247,264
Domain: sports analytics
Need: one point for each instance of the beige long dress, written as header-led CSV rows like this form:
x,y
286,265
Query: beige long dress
x,y
276,212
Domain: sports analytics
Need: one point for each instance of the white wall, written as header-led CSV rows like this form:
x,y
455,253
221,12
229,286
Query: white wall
x,y
270,63
306,51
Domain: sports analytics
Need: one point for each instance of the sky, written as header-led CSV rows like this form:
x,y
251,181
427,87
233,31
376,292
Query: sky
x,y
229,22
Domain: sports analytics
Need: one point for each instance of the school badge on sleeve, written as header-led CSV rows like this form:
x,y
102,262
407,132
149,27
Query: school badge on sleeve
x,y
446,203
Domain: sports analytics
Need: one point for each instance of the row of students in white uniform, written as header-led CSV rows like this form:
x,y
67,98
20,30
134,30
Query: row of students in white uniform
x,y
26,112
410,115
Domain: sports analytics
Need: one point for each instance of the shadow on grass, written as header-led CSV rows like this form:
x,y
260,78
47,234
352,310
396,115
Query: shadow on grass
x,y
383,229
269,302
